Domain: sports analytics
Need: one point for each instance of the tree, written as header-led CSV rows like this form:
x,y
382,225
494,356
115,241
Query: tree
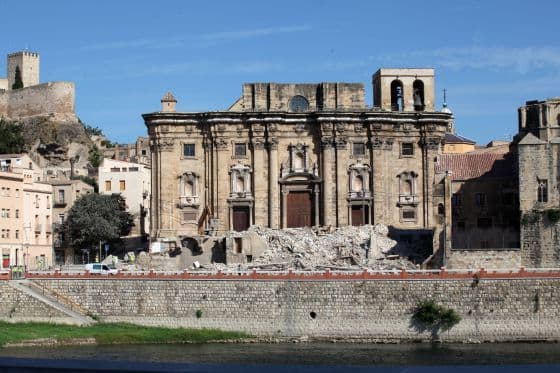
x,y
97,217
11,138
18,83
94,156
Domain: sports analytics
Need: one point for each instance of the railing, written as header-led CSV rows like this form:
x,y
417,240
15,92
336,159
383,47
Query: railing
x,y
441,274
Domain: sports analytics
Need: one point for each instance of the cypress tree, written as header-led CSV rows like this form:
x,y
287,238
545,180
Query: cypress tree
x,y
18,83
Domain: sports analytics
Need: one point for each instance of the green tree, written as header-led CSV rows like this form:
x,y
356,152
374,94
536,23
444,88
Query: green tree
x,y
97,217
95,156
11,138
18,83
88,180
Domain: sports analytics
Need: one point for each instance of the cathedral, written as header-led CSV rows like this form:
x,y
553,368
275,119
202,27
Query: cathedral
x,y
302,155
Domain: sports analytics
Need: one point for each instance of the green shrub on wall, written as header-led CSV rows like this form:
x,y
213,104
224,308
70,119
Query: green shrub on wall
x,y
430,316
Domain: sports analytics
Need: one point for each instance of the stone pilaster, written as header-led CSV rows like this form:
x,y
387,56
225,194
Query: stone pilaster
x,y
273,187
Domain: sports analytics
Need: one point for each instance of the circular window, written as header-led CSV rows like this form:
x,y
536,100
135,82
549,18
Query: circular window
x,y
299,104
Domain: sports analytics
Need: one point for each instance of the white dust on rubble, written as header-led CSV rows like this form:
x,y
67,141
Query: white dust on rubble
x,y
344,248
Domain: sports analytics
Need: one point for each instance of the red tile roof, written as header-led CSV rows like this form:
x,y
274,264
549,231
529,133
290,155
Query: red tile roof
x,y
476,164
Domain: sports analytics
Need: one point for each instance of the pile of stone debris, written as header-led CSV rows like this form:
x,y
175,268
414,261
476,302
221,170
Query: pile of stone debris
x,y
322,248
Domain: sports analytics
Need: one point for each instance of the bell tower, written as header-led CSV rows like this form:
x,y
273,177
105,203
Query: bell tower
x,y
404,89
28,63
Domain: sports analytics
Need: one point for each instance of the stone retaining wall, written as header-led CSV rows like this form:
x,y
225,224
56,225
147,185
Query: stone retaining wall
x,y
492,309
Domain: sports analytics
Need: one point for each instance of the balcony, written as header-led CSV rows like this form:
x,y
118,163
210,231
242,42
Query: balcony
x,y
189,201
59,202
361,195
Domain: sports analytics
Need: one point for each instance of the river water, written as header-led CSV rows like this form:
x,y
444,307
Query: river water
x,y
306,357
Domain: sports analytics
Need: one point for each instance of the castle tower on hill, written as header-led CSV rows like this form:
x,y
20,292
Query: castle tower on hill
x,y
28,63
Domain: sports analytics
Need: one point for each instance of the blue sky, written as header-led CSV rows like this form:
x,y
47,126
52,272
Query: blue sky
x,y
123,56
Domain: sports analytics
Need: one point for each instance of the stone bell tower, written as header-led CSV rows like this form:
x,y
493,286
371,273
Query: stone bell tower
x,y
404,89
28,63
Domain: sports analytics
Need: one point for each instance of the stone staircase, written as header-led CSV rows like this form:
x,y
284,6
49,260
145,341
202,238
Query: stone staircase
x,y
53,300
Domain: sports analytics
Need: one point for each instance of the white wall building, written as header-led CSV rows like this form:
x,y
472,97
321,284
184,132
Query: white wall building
x,y
132,181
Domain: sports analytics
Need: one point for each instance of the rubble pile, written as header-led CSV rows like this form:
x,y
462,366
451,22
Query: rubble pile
x,y
344,248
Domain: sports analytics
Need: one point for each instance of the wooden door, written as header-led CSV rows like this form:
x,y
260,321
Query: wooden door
x,y
300,210
359,215
241,219
5,261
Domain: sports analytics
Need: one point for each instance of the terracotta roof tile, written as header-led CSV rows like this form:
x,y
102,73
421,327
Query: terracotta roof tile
x,y
474,165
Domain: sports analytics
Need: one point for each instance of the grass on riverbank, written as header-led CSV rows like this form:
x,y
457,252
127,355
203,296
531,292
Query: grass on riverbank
x,y
112,333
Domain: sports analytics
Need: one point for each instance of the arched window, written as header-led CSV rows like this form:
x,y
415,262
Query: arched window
x,y
397,95
542,191
299,104
440,209
418,95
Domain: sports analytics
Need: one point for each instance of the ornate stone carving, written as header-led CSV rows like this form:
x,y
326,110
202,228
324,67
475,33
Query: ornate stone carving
x,y
407,127
164,128
396,126
221,127
257,128
376,126
341,142
358,128
273,143
326,127
327,142
300,128
376,143
258,143
432,143
340,127
221,143
189,128
388,144
165,145
239,130
432,127
272,127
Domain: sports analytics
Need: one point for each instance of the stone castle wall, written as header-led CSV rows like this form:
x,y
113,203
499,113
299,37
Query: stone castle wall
x,y
54,98
491,309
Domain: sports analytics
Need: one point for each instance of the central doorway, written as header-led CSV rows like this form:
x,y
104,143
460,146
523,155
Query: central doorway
x,y
300,209
360,215
241,218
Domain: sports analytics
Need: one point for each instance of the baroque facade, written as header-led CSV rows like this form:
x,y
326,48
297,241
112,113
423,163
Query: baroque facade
x,y
294,155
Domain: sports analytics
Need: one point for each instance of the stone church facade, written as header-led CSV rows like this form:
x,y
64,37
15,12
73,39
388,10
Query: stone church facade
x,y
295,155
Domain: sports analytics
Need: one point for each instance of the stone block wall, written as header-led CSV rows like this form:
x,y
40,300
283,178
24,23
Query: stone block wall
x,y
491,309
55,98
488,259
15,306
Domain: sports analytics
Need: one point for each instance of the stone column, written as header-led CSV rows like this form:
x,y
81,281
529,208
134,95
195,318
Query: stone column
x,y
341,181
273,192
328,184
260,182
223,182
